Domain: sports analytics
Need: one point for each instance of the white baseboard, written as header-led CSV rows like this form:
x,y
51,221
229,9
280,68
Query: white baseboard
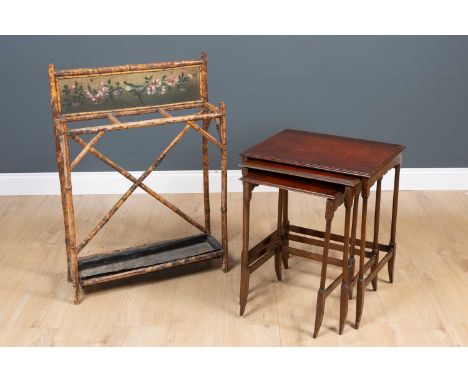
x,y
191,181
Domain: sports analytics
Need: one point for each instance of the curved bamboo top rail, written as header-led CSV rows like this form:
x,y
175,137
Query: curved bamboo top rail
x,y
126,68
146,123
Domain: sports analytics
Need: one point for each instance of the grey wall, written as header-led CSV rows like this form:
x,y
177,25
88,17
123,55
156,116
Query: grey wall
x,y
409,90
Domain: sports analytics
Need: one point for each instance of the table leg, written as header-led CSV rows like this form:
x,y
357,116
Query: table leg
x,y
321,295
375,246
345,280
396,187
244,286
362,256
285,254
352,260
279,250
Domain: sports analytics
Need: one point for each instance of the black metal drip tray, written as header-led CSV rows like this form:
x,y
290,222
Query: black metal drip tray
x,y
147,255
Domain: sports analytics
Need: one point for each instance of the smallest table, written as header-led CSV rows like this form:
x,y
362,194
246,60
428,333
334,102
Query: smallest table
x,y
342,161
277,243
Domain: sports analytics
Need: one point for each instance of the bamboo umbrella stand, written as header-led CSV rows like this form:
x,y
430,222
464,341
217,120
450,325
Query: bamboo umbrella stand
x,y
111,92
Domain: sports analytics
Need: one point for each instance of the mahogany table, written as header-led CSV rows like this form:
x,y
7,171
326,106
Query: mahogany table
x,y
339,160
277,243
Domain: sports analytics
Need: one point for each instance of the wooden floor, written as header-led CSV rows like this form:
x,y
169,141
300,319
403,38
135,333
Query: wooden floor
x,y
198,306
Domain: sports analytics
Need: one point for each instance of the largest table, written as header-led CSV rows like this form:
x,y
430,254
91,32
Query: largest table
x,y
337,159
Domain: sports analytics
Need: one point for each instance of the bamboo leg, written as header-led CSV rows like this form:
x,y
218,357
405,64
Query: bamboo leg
x,y
344,283
278,250
61,171
285,229
59,156
71,214
321,295
375,248
396,187
244,286
206,182
206,126
222,130
360,283
352,260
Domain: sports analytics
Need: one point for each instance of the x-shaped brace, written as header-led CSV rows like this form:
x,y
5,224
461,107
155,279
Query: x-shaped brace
x,y
89,147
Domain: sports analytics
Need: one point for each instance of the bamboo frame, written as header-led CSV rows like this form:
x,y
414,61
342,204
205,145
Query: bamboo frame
x,y
207,113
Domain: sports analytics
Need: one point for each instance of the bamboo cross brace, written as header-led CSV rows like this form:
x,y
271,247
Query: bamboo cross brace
x,y
91,143
193,125
144,123
113,119
86,149
143,186
211,107
125,196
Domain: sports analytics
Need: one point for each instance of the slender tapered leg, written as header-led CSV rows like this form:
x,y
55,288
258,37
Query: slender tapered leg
x,y
285,230
321,295
345,280
396,187
279,238
352,249
375,246
244,287
362,256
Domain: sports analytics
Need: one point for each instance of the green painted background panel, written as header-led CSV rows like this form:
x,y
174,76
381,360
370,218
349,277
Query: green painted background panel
x,y
129,90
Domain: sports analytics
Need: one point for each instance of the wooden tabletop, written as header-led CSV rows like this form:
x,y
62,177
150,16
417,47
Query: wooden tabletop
x,y
294,183
351,156
302,172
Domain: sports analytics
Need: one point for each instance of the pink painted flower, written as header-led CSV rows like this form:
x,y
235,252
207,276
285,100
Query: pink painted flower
x,y
172,80
151,89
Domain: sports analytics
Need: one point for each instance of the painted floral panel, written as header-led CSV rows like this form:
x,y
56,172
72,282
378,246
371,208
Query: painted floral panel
x,y
129,90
